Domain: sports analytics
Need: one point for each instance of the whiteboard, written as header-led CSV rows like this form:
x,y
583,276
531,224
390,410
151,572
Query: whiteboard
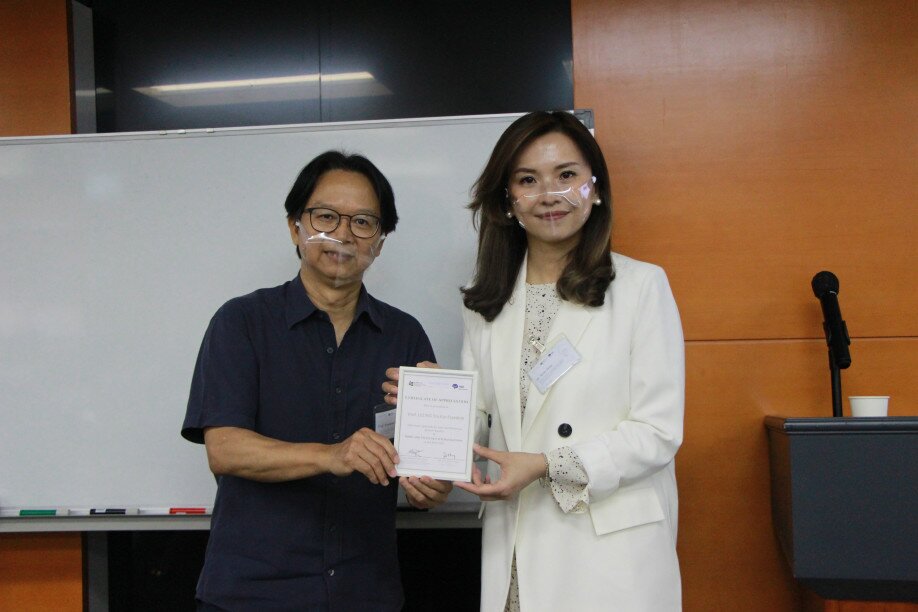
x,y
117,249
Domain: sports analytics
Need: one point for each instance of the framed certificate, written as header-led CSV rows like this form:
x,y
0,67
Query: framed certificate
x,y
435,422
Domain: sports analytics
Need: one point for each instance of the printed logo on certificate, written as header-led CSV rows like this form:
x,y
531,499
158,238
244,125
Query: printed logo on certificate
x,y
434,423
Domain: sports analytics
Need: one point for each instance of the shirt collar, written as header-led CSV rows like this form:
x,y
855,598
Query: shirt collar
x,y
299,307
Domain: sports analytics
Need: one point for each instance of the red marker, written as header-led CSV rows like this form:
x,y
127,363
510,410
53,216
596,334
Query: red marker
x,y
187,510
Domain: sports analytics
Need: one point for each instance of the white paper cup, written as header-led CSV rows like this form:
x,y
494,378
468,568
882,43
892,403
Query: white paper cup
x,y
869,405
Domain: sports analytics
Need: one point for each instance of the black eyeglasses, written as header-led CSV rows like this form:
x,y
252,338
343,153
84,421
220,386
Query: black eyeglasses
x,y
328,220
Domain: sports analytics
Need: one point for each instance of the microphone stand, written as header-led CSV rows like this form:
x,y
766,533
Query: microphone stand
x,y
836,385
825,287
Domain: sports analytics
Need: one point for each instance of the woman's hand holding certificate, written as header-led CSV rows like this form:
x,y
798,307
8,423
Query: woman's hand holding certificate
x,y
517,471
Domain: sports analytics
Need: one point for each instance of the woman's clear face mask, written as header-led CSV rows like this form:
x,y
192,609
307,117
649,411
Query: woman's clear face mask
x,y
554,214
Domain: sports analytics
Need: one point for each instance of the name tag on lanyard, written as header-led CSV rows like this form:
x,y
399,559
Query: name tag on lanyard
x,y
385,420
554,363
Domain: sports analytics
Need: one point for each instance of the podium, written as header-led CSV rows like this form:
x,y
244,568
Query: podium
x,y
844,495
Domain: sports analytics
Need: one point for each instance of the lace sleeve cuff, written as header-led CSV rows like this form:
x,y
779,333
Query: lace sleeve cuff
x,y
567,480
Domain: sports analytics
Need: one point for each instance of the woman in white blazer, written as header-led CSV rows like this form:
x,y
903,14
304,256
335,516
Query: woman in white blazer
x,y
580,493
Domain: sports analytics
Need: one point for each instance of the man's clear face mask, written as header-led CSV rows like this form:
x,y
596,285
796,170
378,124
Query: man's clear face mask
x,y
528,200
341,254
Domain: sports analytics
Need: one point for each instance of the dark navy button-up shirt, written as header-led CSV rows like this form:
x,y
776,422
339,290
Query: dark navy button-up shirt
x,y
269,362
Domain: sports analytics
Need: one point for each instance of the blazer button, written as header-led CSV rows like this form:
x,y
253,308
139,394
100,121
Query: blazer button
x,y
565,430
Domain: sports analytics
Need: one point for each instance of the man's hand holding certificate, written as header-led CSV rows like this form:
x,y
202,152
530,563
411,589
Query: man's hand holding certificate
x,y
434,423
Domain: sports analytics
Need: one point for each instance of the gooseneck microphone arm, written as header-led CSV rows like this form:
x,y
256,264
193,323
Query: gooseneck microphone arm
x,y
825,287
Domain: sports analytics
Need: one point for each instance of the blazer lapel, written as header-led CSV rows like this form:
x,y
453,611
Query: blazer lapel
x,y
506,346
572,321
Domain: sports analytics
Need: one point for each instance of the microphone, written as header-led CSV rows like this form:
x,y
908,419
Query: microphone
x,y
825,286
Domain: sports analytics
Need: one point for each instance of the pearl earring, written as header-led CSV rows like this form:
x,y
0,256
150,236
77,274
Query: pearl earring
x,y
597,201
509,215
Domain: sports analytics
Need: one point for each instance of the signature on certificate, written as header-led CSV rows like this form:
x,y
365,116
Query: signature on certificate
x,y
449,455
414,452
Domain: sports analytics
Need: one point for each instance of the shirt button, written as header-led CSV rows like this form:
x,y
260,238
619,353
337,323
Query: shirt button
x,y
329,350
336,436
331,572
565,430
338,390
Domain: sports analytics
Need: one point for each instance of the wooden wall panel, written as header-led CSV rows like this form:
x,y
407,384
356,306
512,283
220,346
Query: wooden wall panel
x,y
41,572
35,92
753,144
37,571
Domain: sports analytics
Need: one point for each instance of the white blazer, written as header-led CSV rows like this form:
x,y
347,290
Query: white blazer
x,y
624,405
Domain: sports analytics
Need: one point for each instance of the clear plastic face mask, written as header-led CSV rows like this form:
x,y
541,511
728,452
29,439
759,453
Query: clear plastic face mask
x,y
342,261
555,205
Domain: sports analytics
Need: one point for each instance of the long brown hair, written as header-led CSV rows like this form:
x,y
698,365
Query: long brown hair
x,y
502,242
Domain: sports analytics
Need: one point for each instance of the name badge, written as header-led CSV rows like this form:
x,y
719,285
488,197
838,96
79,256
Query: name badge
x,y
385,420
553,364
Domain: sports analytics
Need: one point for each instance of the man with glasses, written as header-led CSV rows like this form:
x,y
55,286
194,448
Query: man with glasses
x,y
283,398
